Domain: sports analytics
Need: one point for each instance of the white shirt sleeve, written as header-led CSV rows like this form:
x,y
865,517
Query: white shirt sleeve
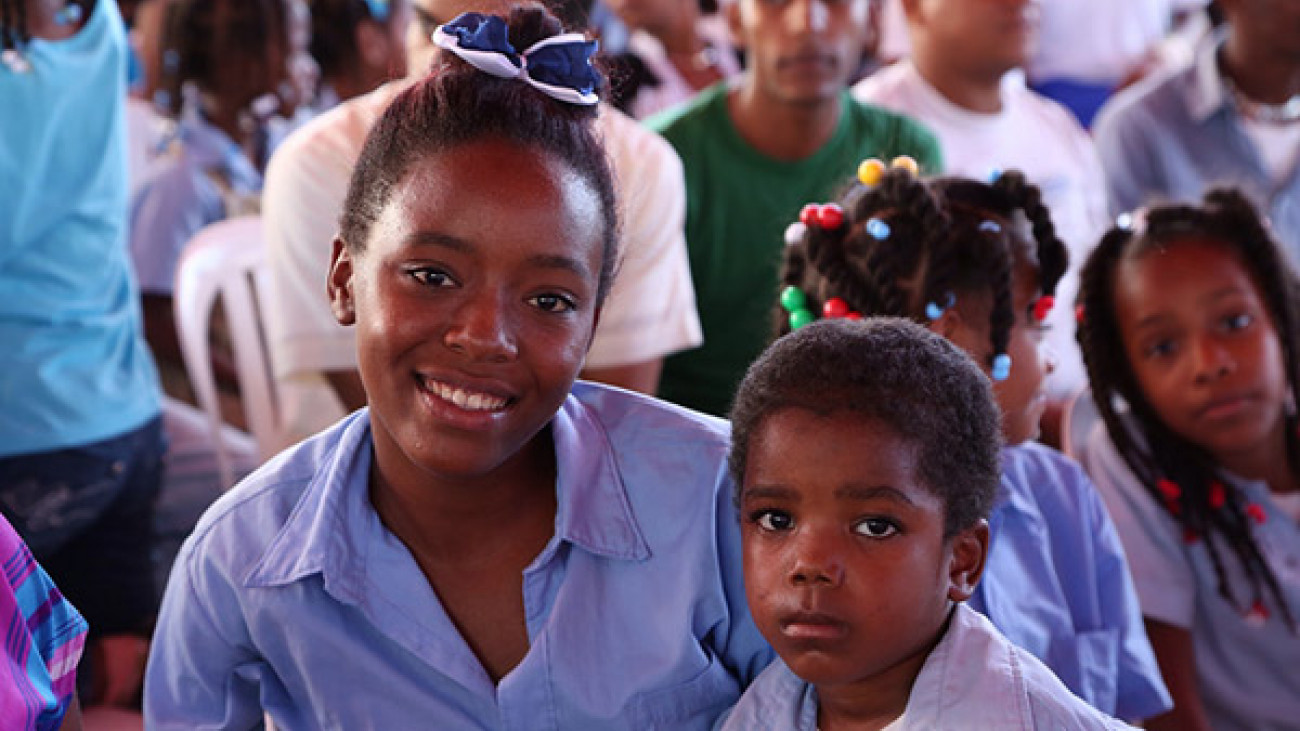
x,y
650,312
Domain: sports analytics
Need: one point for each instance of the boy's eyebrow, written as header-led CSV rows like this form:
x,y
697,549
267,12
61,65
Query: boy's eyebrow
x,y
545,261
873,492
767,492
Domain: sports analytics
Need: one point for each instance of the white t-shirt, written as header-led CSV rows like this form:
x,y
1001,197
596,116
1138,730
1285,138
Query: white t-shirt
x,y
1041,139
650,311
1099,41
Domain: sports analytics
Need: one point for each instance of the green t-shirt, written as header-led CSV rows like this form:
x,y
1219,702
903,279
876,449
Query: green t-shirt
x,y
738,204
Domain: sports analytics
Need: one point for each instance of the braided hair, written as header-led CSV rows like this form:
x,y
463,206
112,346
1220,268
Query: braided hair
x,y
945,236
202,35
1182,476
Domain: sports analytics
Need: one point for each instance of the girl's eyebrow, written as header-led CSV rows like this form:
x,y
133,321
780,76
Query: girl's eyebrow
x,y
768,492
873,492
544,261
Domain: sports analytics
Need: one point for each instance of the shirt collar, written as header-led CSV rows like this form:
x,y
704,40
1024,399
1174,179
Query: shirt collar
x,y
1207,94
330,529
212,148
1009,493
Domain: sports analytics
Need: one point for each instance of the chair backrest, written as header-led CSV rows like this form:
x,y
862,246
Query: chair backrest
x,y
227,261
1077,424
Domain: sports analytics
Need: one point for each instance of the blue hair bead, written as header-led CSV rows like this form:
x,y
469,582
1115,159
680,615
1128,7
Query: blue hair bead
x,y
990,226
878,229
994,174
69,14
934,310
1001,367
1125,221
378,10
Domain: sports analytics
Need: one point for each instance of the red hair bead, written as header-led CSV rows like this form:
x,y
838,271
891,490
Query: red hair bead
x,y
1079,312
808,214
853,316
830,216
1169,489
835,307
1042,306
1189,536
1256,513
1217,495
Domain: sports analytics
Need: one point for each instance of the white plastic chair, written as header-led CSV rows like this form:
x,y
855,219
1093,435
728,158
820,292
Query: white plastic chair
x,y
227,260
1077,424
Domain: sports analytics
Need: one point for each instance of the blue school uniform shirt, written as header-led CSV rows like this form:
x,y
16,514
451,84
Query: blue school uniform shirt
x,y
292,596
1057,584
74,368
200,178
973,679
1247,670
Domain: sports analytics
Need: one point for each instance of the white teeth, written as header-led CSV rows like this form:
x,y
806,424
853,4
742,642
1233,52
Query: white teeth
x,y
467,400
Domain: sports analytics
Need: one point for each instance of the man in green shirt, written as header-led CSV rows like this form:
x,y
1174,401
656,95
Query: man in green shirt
x,y
755,152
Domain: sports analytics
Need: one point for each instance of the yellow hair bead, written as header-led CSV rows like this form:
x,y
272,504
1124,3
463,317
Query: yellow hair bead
x,y
870,172
907,163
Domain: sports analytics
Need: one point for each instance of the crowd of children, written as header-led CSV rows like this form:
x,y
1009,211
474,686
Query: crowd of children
x,y
875,537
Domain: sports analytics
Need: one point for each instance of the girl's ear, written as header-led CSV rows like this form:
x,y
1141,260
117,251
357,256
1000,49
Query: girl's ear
x,y
339,284
969,549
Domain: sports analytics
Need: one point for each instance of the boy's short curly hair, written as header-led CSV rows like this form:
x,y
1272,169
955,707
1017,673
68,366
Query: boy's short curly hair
x,y
892,370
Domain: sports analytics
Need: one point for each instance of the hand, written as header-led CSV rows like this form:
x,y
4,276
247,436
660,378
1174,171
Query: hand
x,y
117,669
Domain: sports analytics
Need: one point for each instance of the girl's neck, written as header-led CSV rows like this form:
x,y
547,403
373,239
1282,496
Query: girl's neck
x,y
445,520
1268,463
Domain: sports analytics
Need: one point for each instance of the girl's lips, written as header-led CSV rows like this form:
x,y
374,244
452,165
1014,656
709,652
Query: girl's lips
x,y
466,398
463,405
1224,408
813,626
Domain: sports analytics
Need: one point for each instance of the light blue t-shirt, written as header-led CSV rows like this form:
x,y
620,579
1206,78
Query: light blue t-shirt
x,y
292,596
1057,584
74,368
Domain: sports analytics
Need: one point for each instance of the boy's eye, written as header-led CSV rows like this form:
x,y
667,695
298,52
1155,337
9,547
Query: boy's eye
x,y
773,520
875,528
553,303
431,277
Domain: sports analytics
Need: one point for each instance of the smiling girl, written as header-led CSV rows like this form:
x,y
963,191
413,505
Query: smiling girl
x,y
1189,330
488,545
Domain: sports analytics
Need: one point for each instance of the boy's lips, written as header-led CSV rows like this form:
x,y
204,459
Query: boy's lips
x,y
813,626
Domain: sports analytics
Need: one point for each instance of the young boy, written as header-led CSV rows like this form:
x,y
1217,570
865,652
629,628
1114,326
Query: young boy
x,y
866,455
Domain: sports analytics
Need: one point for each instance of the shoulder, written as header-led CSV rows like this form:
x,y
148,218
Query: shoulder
x,y
693,118
892,133
1034,463
632,147
885,86
641,423
1150,104
775,700
332,140
237,531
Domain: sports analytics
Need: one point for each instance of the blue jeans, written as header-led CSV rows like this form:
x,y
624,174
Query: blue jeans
x,y
87,515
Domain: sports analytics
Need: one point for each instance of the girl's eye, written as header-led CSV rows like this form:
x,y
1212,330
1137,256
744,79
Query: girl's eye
x,y
1239,321
1161,349
432,277
773,520
875,528
553,303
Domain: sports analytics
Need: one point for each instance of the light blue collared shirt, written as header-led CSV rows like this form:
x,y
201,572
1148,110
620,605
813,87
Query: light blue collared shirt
x,y
1057,584
292,596
973,679
1248,672
1174,136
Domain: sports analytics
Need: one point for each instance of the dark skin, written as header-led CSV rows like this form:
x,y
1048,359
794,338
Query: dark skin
x,y
477,581
1176,656
1261,53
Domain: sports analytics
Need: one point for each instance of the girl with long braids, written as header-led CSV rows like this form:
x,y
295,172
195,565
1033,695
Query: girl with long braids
x,y
977,263
1189,330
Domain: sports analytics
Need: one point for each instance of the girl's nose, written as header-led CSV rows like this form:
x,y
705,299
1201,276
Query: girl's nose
x,y
817,563
481,330
1212,360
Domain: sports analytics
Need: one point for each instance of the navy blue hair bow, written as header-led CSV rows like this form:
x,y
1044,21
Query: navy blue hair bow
x,y
559,66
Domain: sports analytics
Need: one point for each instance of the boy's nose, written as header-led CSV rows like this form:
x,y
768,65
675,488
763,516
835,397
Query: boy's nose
x,y
817,565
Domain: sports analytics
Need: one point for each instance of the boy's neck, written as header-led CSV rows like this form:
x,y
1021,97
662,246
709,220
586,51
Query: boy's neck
x,y
1263,77
970,88
781,131
874,702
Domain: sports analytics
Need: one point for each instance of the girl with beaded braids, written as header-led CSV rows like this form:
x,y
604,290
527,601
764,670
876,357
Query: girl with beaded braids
x,y
488,544
1190,334
977,263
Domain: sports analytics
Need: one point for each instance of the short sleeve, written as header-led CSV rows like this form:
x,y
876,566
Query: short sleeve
x,y
172,204
650,312
1162,572
1120,132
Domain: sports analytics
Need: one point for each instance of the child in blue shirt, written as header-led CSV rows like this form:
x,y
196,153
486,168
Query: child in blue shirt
x,y
866,456
977,263
1190,333
487,545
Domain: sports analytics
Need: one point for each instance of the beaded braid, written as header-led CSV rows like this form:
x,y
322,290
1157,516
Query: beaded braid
x,y
1053,257
1181,476
937,245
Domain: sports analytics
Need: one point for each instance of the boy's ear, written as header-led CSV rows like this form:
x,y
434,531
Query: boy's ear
x,y
372,44
339,284
970,549
735,28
